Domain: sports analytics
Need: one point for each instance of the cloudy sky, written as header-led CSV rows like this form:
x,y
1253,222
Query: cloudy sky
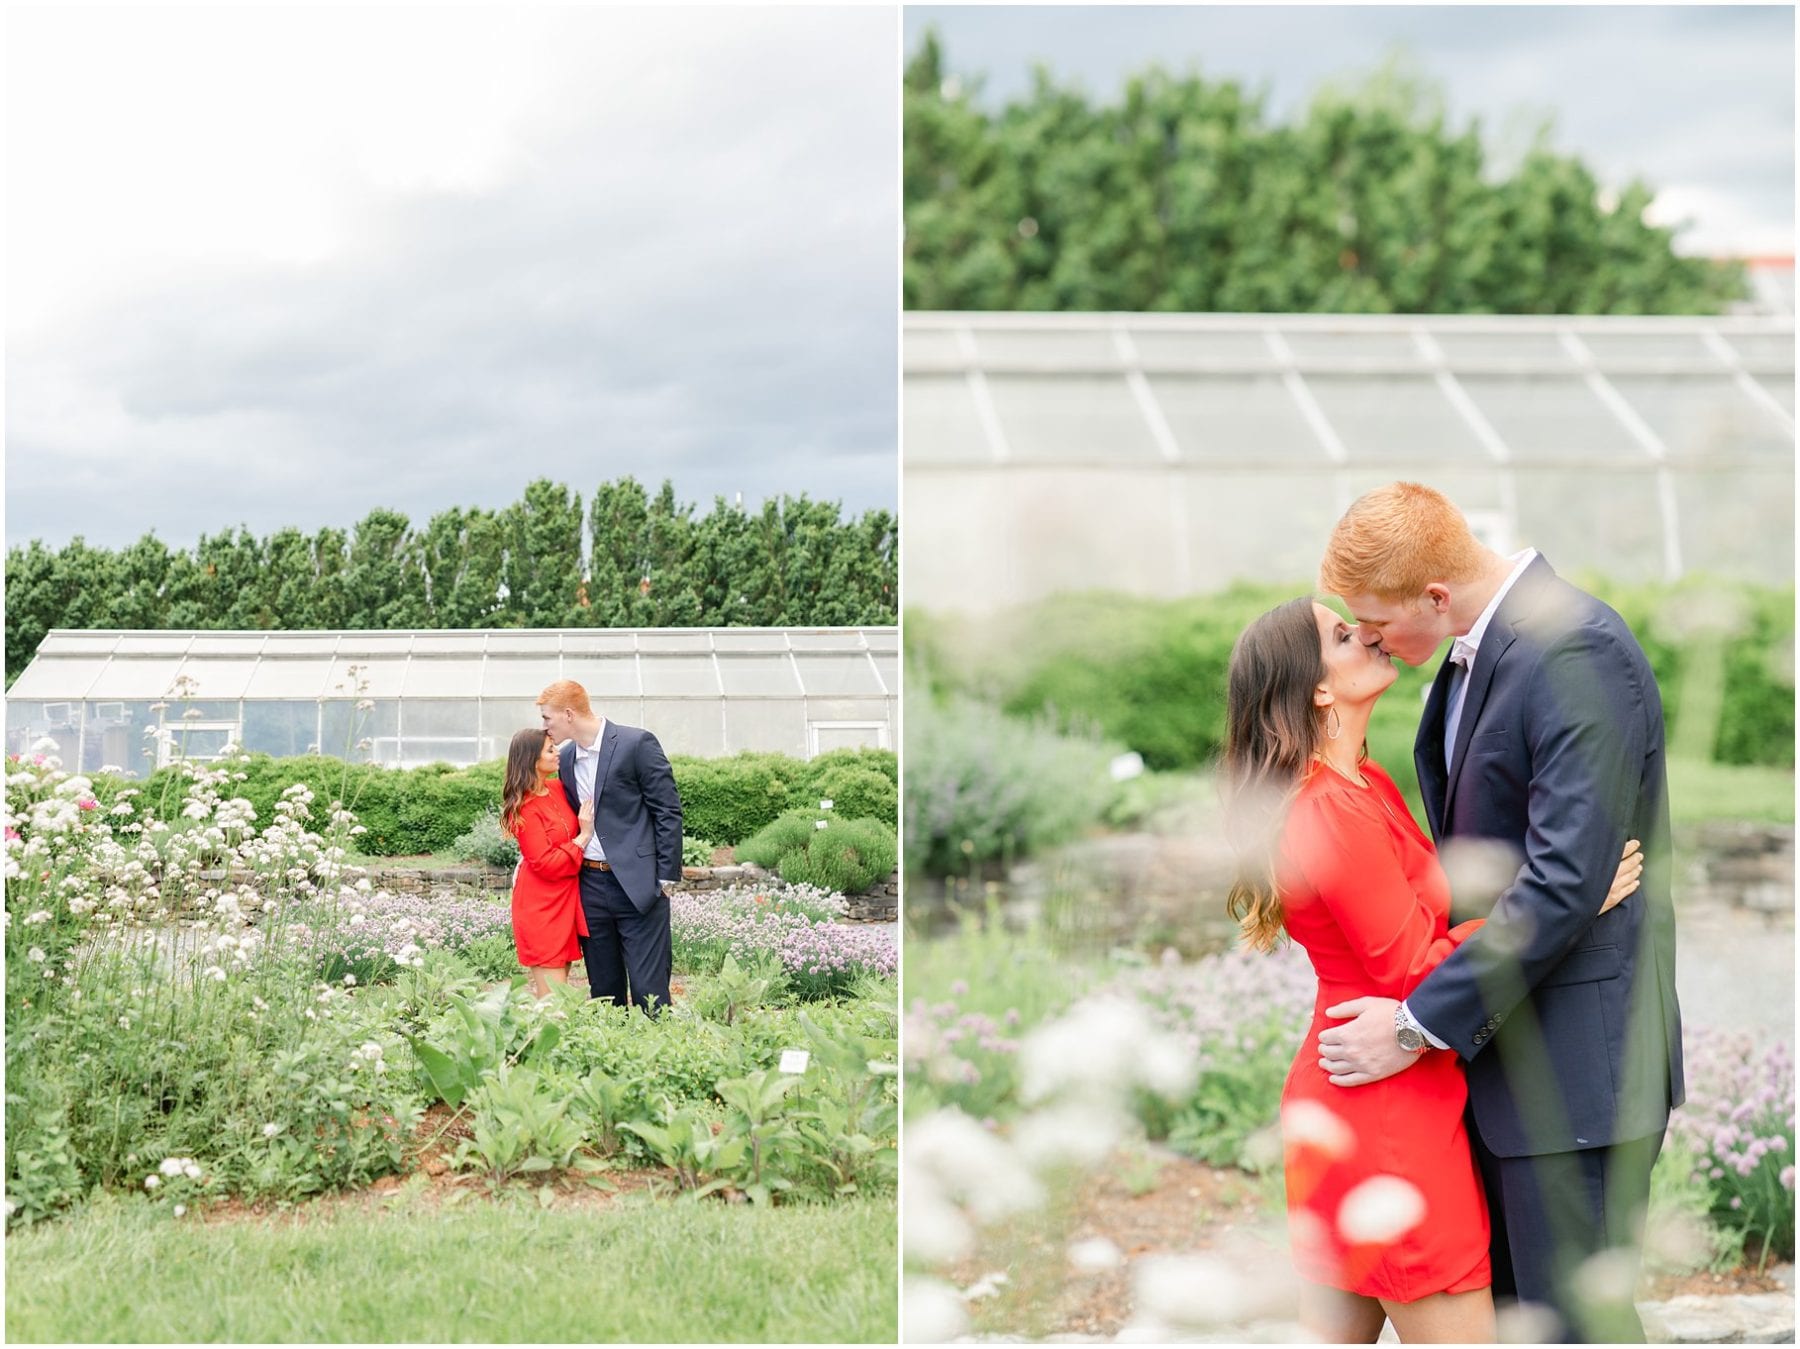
x,y
1698,100
279,267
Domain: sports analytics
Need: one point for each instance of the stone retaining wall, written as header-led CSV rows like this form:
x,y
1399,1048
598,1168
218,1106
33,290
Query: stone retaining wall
x,y
879,904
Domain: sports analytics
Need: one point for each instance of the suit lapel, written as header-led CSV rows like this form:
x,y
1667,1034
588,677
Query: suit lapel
x,y
1503,631
1428,749
565,773
609,742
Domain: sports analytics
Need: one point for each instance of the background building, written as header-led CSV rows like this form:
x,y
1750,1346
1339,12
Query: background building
x,y
450,697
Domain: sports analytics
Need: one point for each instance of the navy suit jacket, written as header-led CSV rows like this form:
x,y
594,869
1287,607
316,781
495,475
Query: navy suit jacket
x,y
1566,1017
637,811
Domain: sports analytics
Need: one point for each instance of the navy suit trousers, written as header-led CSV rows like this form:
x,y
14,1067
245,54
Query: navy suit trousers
x,y
628,954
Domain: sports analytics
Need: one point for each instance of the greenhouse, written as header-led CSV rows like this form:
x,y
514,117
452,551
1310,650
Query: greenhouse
x,y
131,700
1164,454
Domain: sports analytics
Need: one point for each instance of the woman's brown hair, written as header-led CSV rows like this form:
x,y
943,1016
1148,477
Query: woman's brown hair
x,y
1272,733
521,775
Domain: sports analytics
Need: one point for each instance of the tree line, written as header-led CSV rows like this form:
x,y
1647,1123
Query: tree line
x,y
629,560
1182,196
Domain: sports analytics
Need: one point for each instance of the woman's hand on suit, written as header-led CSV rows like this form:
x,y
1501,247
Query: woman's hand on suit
x,y
1628,877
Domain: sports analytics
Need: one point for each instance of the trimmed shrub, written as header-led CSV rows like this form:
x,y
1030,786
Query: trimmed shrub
x,y
485,841
981,785
775,840
730,799
856,793
844,855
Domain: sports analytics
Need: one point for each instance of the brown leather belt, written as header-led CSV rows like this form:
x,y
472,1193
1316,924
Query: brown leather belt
x,y
587,865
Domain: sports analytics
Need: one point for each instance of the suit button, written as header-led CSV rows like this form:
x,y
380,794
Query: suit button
x,y
1480,1036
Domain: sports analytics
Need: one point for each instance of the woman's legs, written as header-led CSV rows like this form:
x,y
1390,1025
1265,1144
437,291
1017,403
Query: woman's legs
x,y
542,976
1337,1317
1445,1318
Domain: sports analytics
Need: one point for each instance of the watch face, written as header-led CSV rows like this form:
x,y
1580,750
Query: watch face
x,y
1409,1038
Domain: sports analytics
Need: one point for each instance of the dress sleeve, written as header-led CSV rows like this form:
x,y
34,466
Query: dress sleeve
x,y
1344,852
552,861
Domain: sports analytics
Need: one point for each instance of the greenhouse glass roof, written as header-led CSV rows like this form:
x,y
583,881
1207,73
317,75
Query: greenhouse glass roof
x,y
418,697
1638,446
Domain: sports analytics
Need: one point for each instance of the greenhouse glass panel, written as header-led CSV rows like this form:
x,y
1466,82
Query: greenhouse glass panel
x,y
656,643
219,678
1251,418
58,677
502,719
942,424
29,721
442,677
1356,350
283,729
146,643
200,743
831,675
1072,417
469,645
363,676
344,726
1705,418
200,709
113,736
1260,527
299,644
1661,351
244,645
850,640
1739,522
665,675
887,668
776,725
1764,352
1593,520
80,643
130,677
1782,390
1175,349
458,751
847,709
750,639
1491,350
827,736
686,726
364,646
288,677
595,643
606,676
1546,418
933,346
438,719
519,676
1396,419
760,674
1078,348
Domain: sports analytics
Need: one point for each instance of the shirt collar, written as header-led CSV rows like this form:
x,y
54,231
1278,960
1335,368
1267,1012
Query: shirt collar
x,y
1463,649
589,751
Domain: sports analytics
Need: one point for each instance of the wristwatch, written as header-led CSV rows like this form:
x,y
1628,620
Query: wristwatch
x,y
1406,1033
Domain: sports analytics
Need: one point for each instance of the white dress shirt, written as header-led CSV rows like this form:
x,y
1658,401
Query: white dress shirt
x,y
1462,652
587,765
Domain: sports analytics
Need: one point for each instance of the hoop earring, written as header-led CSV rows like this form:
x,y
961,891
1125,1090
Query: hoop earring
x,y
1334,724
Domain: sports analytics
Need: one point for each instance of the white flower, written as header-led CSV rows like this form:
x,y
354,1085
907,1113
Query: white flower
x,y
1188,1290
1095,1256
1309,1124
36,954
349,981
151,1182
180,1210
270,1130
38,916
191,1170
932,1312
171,1166
825,804
1380,1210
11,1208
216,974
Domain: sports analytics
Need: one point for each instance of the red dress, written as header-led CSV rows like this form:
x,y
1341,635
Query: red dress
x,y
1362,891
546,897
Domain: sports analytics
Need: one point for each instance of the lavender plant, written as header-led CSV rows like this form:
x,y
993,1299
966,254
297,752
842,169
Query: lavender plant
x,y
1739,1119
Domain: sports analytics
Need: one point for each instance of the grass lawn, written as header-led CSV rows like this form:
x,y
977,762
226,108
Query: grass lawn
x,y
635,1271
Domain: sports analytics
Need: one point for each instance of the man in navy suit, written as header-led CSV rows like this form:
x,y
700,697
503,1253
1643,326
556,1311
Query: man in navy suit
x,y
633,860
1543,734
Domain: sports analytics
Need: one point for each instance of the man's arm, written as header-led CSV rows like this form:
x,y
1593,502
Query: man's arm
x,y
657,780
1586,733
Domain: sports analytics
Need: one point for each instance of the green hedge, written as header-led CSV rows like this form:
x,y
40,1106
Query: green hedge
x,y
422,810
1151,673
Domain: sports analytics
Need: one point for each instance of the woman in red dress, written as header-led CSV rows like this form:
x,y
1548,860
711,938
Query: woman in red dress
x,y
1386,1214
548,924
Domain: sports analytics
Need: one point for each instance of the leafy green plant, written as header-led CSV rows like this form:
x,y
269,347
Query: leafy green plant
x,y
485,841
481,1035
683,1140
522,1123
696,852
819,848
759,1119
851,1115
760,979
